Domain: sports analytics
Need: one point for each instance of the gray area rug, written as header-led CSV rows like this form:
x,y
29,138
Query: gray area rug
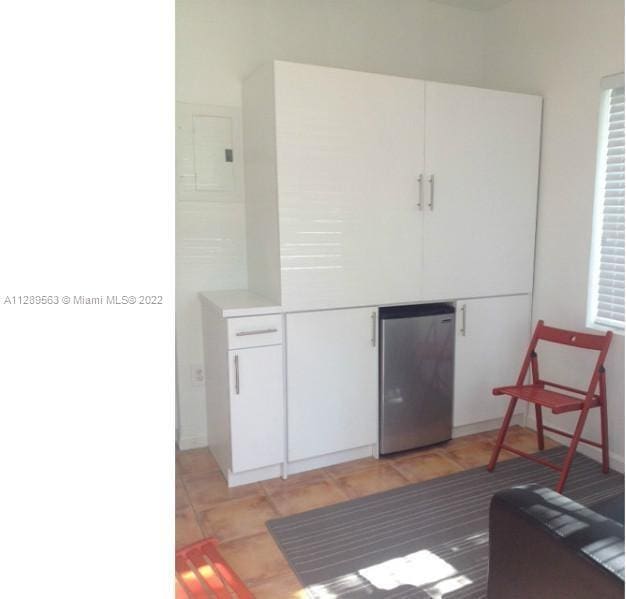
x,y
425,540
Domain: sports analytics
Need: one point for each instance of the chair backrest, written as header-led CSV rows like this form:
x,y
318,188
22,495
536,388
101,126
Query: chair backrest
x,y
599,343
573,338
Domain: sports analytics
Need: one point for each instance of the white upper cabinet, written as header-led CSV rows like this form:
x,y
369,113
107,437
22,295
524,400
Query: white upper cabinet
x,y
349,156
336,214
482,148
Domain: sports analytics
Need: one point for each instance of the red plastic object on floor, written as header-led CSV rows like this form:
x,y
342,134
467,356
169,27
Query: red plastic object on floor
x,y
202,573
557,401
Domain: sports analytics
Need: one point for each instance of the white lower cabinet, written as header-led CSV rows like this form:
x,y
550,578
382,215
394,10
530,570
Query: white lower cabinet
x,y
245,387
256,407
332,382
492,337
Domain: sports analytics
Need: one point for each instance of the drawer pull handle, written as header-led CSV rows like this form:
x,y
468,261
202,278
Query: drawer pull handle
x,y
257,332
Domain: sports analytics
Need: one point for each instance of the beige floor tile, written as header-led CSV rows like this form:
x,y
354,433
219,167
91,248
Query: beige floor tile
x,y
515,429
550,443
471,455
207,489
379,477
492,434
426,466
494,431
460,442
187,528
522,438
237,518
182,500
350,467
526,440
276,485
194,461
281,587
410,453
439,447
301,498
255,559
506,455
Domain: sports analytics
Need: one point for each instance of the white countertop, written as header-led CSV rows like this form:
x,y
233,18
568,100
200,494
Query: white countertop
x,y
239,302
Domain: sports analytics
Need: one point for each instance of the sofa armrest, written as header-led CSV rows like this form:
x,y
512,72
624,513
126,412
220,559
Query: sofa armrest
x,y
546,546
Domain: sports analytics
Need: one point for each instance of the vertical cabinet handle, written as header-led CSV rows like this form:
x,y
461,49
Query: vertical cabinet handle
x,y
431,201
463,319
420,179
374,329
236,374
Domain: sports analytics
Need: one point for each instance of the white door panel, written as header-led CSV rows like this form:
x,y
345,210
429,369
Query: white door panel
x,y
256,407
489,354
482,147
332,385
350,151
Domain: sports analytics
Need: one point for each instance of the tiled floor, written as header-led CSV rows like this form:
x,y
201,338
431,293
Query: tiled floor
x,y
205,506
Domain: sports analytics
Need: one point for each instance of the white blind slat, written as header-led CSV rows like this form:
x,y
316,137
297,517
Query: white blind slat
x,y
609,300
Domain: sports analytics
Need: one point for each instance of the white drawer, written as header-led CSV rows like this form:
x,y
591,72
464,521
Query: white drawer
x,y
252,331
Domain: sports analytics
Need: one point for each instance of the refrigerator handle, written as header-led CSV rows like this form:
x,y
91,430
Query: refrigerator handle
x,y
462,330
374,328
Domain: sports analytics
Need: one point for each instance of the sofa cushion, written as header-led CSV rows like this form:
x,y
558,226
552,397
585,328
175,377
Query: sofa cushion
x,y
545,546
612,508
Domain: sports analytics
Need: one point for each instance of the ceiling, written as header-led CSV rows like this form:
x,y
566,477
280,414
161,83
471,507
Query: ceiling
x,y
473,4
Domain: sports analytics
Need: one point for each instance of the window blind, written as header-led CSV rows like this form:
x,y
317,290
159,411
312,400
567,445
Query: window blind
x,y
610,263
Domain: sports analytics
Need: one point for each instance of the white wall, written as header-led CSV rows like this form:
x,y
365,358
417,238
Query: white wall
x,y
557,48
561,49
219,42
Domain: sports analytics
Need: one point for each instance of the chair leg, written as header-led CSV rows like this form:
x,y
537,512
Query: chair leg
x,y
539,421
604,427
571,452
604,430
503,429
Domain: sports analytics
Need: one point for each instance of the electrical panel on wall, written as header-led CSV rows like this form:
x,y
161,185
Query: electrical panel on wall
x,y
212,153
208,150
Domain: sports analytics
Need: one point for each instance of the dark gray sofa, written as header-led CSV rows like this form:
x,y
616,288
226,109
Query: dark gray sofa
x,y
543,545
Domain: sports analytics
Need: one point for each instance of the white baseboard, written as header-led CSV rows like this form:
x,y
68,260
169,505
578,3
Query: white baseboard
x,y
253,476
259,474
192,442
616,462
330,459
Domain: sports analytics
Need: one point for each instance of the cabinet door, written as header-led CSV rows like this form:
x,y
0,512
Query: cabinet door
x,y
332,381
482,147
349,157
492,338
256,407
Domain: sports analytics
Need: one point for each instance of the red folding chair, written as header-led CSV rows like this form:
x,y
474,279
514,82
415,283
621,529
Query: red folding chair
x,y
202,573
536,393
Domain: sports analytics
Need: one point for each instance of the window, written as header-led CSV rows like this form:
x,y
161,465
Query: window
x,y
606,289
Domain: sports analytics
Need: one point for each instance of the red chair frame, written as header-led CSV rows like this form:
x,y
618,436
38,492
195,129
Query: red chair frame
x,y
558,402
202,573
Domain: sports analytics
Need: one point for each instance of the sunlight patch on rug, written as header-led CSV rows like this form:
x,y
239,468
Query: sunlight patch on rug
x,y
419,569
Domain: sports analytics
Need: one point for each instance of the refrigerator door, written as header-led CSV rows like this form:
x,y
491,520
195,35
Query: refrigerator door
x,y
417,373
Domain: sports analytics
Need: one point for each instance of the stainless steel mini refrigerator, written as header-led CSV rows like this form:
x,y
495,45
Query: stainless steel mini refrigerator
x,y
416,376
